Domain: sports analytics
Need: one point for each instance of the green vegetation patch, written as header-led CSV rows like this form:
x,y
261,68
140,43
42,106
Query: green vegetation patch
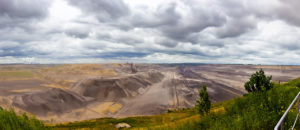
x,y
24,74
295,82
260,110
9,120
135,122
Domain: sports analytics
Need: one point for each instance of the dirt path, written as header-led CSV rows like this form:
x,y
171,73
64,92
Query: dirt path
x,y
154,100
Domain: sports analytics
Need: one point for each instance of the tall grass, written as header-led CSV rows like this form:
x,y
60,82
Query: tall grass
x,y
255,111
9,120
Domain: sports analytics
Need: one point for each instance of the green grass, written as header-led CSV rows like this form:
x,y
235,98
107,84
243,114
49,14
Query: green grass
x,y
135,122
256,110
10,121
295,82
16,74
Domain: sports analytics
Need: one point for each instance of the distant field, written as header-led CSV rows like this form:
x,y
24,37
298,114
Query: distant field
x,y
23,74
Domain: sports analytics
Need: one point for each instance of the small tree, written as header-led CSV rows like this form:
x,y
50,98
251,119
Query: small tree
x,y
259,82
203,104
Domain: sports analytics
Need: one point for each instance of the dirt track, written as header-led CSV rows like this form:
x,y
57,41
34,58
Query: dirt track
x,y
154,99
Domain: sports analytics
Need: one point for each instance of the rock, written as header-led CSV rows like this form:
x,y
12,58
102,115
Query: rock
x,y
122,125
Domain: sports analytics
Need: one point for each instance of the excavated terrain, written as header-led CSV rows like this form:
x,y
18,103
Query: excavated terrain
x,y
50,101
60,93
115,88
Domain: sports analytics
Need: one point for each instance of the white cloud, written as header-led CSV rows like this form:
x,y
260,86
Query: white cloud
x,y
209,31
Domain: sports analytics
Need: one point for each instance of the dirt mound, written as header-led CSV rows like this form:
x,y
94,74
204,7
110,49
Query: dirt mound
x,y
113,89
188,73
50,101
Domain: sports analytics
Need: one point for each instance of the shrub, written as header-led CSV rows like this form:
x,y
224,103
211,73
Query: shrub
x,y
298,85
204,103
259,82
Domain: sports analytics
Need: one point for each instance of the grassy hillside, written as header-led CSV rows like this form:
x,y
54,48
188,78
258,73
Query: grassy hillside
x,y
10,121
255,111
252,111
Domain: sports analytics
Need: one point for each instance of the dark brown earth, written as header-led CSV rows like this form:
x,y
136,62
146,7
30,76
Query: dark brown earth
x,y
50,101
116,88
19,85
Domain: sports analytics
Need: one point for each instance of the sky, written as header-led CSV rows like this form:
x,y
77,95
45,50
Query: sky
x,y
150,31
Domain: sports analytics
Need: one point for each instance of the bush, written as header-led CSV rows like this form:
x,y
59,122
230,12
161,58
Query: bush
x,y
298,85
259,82
203,104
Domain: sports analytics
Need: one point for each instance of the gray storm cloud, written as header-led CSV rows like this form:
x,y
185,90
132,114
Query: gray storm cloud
x,y
214,31
103,9
14,12
23,9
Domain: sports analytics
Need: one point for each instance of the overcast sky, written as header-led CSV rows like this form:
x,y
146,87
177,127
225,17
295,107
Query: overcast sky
x,y
150,31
